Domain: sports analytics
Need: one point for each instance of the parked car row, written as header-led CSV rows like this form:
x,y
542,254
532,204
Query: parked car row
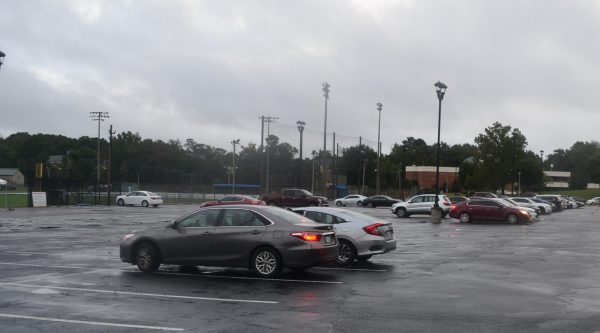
x,y
263,238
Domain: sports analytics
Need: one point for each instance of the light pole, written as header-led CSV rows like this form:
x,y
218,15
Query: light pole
x,y
234,143
98,116
363,180
2,55
519,191
543,176
325,90
436,212
269,120
312,176
400,181
301,130
379,108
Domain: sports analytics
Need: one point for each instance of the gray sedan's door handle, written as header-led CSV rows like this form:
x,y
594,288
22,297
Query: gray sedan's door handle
x,y
255,232
207,233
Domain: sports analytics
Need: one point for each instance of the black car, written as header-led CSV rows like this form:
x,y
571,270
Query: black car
x,y
379,200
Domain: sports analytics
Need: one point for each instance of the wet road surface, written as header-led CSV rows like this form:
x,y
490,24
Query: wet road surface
x,y
60,272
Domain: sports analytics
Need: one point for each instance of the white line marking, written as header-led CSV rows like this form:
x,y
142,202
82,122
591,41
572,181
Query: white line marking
x,y
249,278
116,292
70,267
398,260
110,256
353,269
4,315
167,273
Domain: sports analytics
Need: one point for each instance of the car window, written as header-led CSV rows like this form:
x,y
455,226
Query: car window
x,y
429,198
416,199
241,218
201,219
351,197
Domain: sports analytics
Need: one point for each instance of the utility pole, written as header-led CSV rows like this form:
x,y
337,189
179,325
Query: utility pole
x,y
379,108
301,130
325,90
109,188
234,143
268,120
98,116
262,150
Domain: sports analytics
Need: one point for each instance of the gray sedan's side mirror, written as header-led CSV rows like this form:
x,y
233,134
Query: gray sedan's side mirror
x,y
172,225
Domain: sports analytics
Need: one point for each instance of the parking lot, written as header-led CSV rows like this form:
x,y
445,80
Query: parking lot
x,y
60,272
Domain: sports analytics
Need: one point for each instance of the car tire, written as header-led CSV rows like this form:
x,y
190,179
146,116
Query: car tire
x,y
147,257
154,206
120,202
271,203
364,258
145,203
512,218
370,205
464,217
339,204
359,204
543,211
266,262
401,212
347,253
444,214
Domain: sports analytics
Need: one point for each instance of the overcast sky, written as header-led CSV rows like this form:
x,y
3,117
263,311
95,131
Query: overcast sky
x,y
208,70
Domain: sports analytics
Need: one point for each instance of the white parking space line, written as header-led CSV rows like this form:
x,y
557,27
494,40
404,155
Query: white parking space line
x,y
165,273
117,292
68,267
62,254
97,323
396,260
250,278
353,269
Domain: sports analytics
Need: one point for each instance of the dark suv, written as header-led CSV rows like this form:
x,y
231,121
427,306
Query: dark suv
x,y
557,200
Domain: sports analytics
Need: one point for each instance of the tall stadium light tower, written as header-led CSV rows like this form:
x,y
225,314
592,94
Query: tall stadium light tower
x,y
234,143
98,116
379,108
300,124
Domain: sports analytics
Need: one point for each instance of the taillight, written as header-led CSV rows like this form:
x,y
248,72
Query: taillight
x,y
373,229
308,236
447,203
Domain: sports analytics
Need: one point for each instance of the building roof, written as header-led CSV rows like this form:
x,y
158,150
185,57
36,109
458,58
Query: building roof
x,y
431,169
52,159
564,174
8,171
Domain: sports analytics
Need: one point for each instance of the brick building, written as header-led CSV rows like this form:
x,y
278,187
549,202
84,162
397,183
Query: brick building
x,y
423,177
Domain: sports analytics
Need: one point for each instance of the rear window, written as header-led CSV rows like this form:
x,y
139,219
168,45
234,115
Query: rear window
x,y
286,215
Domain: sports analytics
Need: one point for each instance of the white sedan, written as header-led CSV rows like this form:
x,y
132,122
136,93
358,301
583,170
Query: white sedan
x,y
593,201
350,200
143,198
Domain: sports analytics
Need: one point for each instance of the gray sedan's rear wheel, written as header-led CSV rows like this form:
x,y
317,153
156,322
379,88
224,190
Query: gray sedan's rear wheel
x,y
147,258
347,253
359,204
121,202
266,262
145,203
464,217
339,204
512,218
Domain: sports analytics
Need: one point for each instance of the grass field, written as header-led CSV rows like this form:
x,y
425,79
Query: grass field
x,y
13,199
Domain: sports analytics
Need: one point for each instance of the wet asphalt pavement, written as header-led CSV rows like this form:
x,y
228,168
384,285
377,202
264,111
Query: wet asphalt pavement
x,y
60,272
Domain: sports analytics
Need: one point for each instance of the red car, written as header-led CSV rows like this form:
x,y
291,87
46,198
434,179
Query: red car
x,y
234,200
488,210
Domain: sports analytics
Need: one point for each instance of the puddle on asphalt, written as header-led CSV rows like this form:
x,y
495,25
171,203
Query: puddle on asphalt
x,y
48,227
45,291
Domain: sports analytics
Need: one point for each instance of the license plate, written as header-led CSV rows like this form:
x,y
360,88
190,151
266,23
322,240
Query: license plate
x,y
329,239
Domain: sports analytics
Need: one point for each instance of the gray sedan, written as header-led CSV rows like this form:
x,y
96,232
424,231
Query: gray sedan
x,y
360,236
264,239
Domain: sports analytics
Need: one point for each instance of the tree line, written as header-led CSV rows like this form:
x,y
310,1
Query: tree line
x,y
489,163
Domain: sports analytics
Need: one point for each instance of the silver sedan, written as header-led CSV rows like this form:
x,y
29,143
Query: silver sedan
x,y
262,238
359,236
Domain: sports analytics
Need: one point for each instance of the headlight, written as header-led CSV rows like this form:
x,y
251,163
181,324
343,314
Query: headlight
x,y
126,237
524,212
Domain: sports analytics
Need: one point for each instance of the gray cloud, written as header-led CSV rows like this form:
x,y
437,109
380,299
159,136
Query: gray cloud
x,y
208,69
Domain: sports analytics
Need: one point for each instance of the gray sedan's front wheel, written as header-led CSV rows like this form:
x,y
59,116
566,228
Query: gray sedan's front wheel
x,y
147,258
266,262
